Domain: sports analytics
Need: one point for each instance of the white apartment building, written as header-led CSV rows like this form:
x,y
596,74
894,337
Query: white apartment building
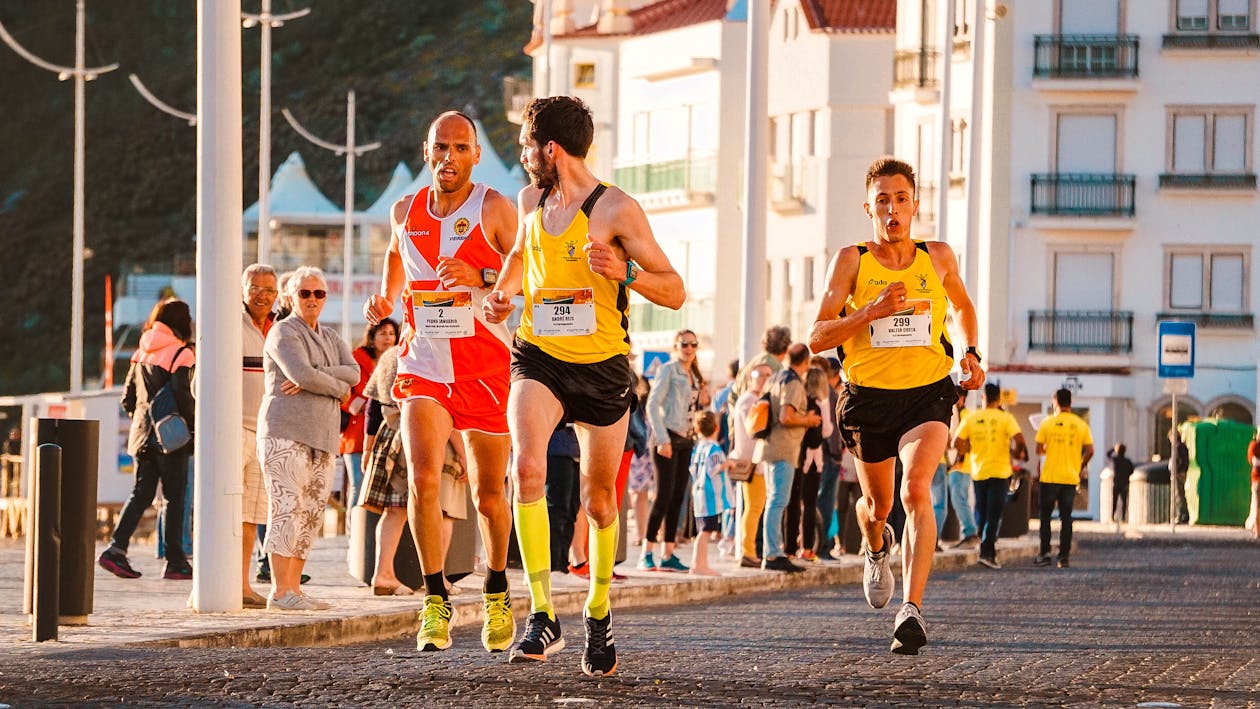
x,y
666,81
1116,189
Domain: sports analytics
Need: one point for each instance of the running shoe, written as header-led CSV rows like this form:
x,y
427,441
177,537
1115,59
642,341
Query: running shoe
x,y
499,629
909,631
178,573
541,640
878,582
673,563
116,563
809,555
1042,560
582,570
646,562
315,603
435,625
1063,562
290,601
600,655
990,562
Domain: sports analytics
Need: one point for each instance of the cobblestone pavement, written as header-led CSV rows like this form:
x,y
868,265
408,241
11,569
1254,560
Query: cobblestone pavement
x,y
1132,621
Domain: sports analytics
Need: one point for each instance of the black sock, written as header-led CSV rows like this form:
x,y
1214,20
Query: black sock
x,y
496,581
435,585
916,605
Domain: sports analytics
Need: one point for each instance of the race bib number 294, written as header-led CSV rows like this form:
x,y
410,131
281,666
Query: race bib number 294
x,y
560,312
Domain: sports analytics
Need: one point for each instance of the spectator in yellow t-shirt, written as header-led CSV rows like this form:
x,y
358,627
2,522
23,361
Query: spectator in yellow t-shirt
x,y
1065,440
991,436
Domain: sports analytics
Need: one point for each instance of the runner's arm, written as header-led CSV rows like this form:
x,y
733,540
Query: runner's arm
x,y
829,329
380,305
657,280
946,265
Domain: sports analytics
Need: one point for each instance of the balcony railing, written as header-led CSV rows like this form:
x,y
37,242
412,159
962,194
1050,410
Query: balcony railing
x,y
1190,40
1083,195
693,173
1085,56
1106,331
517,93
1231,321
927,203
1209,181
915,69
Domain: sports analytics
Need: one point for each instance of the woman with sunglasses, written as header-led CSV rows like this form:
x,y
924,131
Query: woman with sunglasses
x,y
308,371
678,392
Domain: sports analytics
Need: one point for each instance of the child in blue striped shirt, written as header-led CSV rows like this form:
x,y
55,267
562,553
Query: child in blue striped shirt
x,y
708,489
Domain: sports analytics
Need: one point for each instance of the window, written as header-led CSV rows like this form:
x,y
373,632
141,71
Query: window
x,y
963,10
807,284
1210,140
1213,15
584,75
1208,280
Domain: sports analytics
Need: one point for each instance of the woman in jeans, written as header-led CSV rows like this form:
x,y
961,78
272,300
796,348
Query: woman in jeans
x,y
163,356
678,392
307,373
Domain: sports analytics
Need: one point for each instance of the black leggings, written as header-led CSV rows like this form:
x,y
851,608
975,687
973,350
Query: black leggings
x,y
672,476
171,469
801,519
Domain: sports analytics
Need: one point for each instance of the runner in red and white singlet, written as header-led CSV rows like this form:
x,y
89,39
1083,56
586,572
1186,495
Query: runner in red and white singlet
x,y
445,252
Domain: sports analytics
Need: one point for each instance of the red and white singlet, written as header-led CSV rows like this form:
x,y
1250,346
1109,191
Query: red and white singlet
x,y
422,238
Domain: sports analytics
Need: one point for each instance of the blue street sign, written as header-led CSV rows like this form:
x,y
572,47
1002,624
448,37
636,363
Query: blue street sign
x,y
1176,350
652,362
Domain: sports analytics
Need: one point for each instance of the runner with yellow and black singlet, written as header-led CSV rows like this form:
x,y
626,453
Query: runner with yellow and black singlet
x,y
583,246
884,311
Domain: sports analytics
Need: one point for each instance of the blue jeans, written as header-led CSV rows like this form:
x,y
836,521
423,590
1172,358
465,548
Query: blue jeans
x,y
959,494
354,477
161,518
827,500
990,499
779,474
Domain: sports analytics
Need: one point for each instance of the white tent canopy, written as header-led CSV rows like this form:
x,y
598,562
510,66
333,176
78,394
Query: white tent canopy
x,y
294,198
397,187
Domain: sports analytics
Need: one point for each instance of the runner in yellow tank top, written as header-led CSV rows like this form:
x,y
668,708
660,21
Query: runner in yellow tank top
x,y
569,360
884,311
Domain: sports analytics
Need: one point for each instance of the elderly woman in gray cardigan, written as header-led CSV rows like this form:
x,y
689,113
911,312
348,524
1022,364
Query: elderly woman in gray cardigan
x,y
307,370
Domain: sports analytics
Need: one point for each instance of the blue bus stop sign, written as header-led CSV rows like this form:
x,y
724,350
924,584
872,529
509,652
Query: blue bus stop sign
x,y
1176,350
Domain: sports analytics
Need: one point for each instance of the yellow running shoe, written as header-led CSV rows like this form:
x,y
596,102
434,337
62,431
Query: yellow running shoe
x,y
435,625
499,629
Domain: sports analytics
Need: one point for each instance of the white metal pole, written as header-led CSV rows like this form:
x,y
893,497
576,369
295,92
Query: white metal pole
x,y
264,136
347,268
975,154
1172,467
546,28
753,267
947,131
76,269
217,500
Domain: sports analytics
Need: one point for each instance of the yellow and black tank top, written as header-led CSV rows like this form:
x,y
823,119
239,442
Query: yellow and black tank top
x,y
558,278
909,348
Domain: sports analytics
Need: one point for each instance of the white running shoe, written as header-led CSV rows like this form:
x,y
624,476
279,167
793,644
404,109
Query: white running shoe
x,y
290,601
878,582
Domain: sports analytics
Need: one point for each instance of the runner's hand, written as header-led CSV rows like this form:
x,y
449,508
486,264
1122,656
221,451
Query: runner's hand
x,y
889,301
496,306
455,272
972,372
603,261
377,308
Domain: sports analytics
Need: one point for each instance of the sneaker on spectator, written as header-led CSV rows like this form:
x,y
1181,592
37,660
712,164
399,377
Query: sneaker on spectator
x,y
909,631
435,625
878,582
499,628
116,563
825,555
541,639
781,563
316,604
750,562
646,562
990,562
290,601
970,541
673,563
809,555
1063,562
600,655
178,573
1042,560
582,570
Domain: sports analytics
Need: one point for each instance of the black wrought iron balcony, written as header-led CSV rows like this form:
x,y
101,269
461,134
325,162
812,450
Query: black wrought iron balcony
x,y
915,69
1085,56
1211,40
1225,321
1096,331
1083,194
1210,181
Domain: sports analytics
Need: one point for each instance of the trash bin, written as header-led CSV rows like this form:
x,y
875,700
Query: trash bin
x,y
1017,509
79,440
1148,494
1218,483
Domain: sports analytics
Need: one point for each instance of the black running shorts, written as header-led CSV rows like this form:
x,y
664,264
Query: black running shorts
x,y
872,421
598,393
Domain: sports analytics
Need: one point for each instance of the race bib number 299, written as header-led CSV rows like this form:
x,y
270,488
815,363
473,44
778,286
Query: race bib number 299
x,y
909,327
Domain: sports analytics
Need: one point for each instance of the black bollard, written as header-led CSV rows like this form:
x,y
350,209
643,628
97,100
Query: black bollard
x,y
46,593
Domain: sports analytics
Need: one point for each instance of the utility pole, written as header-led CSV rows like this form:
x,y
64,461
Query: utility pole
x,y
266,21
351,151
81,75
753,268
947,127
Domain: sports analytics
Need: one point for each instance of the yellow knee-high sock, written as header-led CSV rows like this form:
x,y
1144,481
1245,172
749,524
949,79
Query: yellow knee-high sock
x,y
603,554
533,533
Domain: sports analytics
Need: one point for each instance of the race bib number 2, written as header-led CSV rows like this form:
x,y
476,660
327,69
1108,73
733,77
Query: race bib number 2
x,y
443,314
560,312
909,327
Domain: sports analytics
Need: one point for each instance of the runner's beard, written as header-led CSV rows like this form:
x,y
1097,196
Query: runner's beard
x,y
544,176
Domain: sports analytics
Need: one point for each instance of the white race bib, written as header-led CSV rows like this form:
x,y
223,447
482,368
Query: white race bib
x,y
443,314
909,327
561,312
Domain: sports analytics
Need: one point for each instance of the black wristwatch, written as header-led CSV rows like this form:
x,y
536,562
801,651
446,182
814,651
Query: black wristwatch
x,y
974,352
489,277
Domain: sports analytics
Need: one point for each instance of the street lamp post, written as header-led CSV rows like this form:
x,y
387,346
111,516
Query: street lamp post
x,y
81,75
265,21
351,151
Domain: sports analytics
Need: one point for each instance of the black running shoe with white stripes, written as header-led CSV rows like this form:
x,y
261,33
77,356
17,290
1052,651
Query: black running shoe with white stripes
x,y
541,639
600,655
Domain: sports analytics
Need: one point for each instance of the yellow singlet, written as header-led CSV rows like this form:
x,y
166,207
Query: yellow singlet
x,y
910,348
571,313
